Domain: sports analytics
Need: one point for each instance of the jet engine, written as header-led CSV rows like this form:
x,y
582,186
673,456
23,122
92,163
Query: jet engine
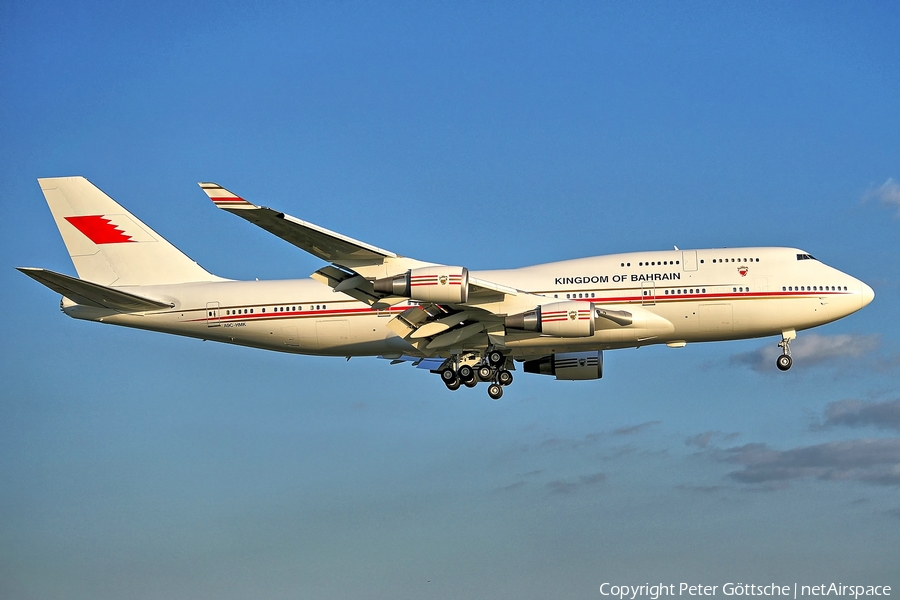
x,y
570,366
429,284
561,319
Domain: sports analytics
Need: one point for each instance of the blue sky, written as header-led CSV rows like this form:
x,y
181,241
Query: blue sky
x,y
485,134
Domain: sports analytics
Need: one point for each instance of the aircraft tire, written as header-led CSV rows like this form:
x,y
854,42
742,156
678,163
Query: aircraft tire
x,y
504,377
485,373
448,375
466,373
496,358
784,362
471,383
453,385
495,391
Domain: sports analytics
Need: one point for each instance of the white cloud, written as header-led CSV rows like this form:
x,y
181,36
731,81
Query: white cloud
x,y
858,413
633,429
703,440
810,349
888,194
873,461
561,486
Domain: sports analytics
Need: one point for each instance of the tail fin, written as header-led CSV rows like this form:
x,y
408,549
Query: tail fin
x,y
109,245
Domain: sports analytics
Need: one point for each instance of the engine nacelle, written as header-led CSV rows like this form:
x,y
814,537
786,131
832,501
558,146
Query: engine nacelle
x,y
571,366
429,284
561,319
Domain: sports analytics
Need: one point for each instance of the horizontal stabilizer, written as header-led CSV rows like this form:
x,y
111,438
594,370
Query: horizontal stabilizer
x,y
93,294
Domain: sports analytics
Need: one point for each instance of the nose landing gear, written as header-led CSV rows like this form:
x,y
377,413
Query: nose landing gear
x,y
785,361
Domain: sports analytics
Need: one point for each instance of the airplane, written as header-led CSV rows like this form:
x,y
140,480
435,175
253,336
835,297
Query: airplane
x,y
468,327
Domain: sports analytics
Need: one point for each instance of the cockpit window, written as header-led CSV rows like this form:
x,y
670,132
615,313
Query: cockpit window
x,y
805,257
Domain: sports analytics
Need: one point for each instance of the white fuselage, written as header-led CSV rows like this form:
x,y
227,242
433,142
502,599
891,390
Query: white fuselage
x,y
675,296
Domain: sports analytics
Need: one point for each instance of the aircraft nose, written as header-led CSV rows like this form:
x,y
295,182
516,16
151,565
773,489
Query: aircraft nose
x,y
867,294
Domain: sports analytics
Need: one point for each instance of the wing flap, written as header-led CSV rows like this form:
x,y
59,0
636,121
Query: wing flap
x,y
492,287
455,336
93,294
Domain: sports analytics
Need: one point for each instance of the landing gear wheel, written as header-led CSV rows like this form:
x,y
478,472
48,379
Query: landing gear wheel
x,y
784,362
471,383
453,384
485,373
504,377
466,373
496,358
495,391
448,375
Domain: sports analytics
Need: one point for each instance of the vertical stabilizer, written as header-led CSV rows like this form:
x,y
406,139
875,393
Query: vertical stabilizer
x,y
109,245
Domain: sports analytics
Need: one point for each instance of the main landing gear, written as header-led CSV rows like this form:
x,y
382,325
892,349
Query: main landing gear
x,y
492,369
784,361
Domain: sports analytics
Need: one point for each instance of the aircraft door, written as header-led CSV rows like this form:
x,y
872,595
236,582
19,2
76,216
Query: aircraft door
x,y
212,314
648,293
689,260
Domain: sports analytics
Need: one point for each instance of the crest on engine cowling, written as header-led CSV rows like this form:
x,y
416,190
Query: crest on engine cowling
x,y
573,314
443,279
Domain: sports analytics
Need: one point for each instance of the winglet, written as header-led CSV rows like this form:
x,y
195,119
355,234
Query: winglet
x,y
223,198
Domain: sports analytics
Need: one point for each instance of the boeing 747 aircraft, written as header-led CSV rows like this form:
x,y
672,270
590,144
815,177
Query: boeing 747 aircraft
x,y
466,326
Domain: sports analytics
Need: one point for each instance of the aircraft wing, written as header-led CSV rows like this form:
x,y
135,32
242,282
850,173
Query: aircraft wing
x,y
318,241
357,263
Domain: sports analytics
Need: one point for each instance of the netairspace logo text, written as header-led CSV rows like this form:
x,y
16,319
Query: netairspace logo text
x,y
795,591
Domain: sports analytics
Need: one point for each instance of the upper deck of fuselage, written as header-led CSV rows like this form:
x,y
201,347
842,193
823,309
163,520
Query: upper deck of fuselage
x,y
714,264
